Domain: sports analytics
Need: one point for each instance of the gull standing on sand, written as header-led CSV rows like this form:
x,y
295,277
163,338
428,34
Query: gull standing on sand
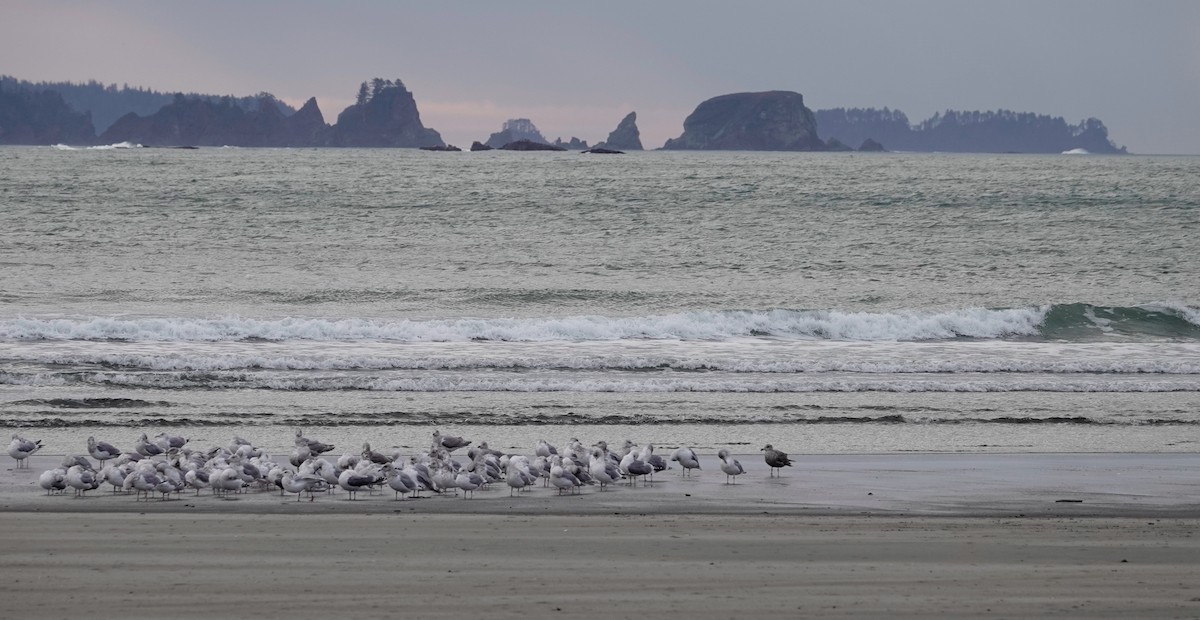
x,y
468,482
353,482
378,458
775,459
102,450
730,466
53,480
145,447
314,446
687,459
21,449
301,484
449,442
602,469
82,480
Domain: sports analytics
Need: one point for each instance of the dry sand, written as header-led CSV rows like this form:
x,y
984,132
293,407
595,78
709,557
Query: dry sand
x,y
939,535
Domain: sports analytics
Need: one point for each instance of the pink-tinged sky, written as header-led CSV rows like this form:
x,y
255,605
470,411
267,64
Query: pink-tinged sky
x,y
576,69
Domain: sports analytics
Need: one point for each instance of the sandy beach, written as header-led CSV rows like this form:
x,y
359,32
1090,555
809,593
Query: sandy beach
x,y
1016,535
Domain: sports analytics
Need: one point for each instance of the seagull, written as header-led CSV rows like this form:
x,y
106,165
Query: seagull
x,y
145,447
401,481
687,459
102,450
53,480
197,479
730,466
544,449
316,447
353,482
515,478
468,481
167,442
634,467
302,483
602,469
21,449
563,480
82,480
375,457
449,442
775,459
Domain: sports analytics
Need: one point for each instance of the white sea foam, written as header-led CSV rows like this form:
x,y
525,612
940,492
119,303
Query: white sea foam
x,y
700,325
64,147
118,145
1077,152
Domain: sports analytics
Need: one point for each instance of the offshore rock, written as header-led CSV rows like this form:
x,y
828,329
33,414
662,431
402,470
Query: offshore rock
x,y
871,146
479,146
765,121
575,144
599,150
516,130
449,148
626,136
388,117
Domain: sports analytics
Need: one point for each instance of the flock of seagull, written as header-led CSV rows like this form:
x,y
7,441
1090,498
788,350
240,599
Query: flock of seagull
x,y
165,465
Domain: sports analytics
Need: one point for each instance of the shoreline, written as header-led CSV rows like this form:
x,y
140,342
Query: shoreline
x,y
1092,485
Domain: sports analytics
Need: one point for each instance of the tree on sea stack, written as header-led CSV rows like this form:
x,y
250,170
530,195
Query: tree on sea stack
x,y
384,115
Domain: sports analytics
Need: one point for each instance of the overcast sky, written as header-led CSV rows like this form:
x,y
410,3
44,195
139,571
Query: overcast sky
x,y
577,68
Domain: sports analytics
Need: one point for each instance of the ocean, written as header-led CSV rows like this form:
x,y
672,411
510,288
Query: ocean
x,y
821,302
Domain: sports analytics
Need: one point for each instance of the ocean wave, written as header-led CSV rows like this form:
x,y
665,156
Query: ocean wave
x,y
486,382
402,418
761,362
1064,321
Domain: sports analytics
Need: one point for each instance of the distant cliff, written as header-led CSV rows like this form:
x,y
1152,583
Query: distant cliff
x,y
625,137
32,117
1001,131
384,115
766,121
200,122
107,103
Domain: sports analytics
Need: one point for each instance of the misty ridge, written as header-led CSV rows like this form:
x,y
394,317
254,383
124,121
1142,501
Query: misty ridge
x,y
385,115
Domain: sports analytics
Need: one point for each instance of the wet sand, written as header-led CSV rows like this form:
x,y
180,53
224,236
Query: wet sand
x,y
846,536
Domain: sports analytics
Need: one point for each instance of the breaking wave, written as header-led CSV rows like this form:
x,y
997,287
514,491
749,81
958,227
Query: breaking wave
x,y
1070,322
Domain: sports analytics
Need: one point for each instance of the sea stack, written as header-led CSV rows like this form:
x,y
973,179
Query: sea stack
x,y
767,121
625,137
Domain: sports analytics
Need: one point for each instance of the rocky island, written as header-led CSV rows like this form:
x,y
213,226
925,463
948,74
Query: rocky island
x,y
625,137
765,121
